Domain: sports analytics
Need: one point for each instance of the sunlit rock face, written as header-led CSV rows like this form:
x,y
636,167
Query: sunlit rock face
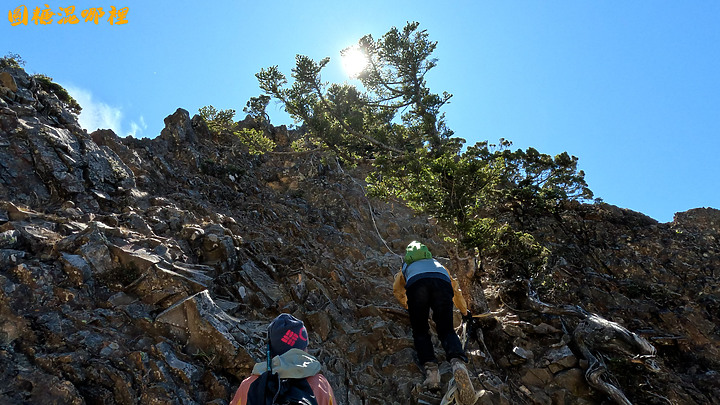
x,y
147,270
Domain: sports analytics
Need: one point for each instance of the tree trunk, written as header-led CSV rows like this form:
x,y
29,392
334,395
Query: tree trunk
x,y
465,269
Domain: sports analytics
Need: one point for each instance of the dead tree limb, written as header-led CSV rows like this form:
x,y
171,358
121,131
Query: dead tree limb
x,y
593,334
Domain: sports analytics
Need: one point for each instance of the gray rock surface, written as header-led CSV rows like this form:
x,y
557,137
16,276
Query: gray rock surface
x,y
146,271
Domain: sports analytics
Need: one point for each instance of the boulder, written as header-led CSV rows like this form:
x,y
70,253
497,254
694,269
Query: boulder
x,y
205,328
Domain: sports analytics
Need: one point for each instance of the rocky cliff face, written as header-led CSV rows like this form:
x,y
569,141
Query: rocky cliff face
x,y
146,271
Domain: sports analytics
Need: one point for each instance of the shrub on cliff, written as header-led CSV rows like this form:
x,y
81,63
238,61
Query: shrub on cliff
x,y
221,122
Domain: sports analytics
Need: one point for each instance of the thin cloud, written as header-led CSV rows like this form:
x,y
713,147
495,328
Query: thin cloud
x,y
96,114
138,128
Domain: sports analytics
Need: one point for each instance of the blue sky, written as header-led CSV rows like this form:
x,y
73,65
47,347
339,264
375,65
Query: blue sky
x,y
631,88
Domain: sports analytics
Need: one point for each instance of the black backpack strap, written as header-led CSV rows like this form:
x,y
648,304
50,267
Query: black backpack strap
x,y
268,389
297,391
261,391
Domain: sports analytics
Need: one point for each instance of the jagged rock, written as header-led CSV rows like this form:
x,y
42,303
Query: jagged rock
x,y
12,327
10,256
536,396
76,267
98,257
701,219
513,329
137,223
201,129
266,289
537,377
48,389
227,306
120,259
106,138
319,322
205,328
217,247
134,257
523,353
573,380
178,129
560,359
7,81
13,212
36,237
162,288
46,161
199,273
544,329
191,233
185,371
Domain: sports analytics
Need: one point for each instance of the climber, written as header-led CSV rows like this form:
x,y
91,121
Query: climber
x,y
289,370
423,284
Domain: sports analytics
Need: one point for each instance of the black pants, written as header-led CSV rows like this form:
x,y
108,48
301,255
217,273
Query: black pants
x,y
435,294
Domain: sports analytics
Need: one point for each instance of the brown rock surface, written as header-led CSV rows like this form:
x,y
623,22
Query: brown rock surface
x,y
146,271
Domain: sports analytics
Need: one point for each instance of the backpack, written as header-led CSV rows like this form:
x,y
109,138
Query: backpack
x,y
269,389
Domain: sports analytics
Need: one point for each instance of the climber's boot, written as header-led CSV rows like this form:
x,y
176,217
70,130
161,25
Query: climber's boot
x,y
465,389
432,376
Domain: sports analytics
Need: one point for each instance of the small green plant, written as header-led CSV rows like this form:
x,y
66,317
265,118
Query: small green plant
x,y
48,85
12,60
255,140
221,122
8,238
207,358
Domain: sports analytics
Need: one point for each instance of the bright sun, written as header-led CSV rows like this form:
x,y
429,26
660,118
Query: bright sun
x,y
353,61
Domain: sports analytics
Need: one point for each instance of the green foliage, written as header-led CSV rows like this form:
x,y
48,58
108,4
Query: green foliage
x,y
256,109
396,115
217,120
12,60
208,358
8,238
51,87
257,142
397,123
221,122
517,253
465,192
305,144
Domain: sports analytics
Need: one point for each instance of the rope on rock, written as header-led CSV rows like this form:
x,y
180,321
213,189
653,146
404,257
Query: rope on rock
x,y
372,214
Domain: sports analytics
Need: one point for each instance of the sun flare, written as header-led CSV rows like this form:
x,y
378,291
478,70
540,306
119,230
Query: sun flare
x,y
353,61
